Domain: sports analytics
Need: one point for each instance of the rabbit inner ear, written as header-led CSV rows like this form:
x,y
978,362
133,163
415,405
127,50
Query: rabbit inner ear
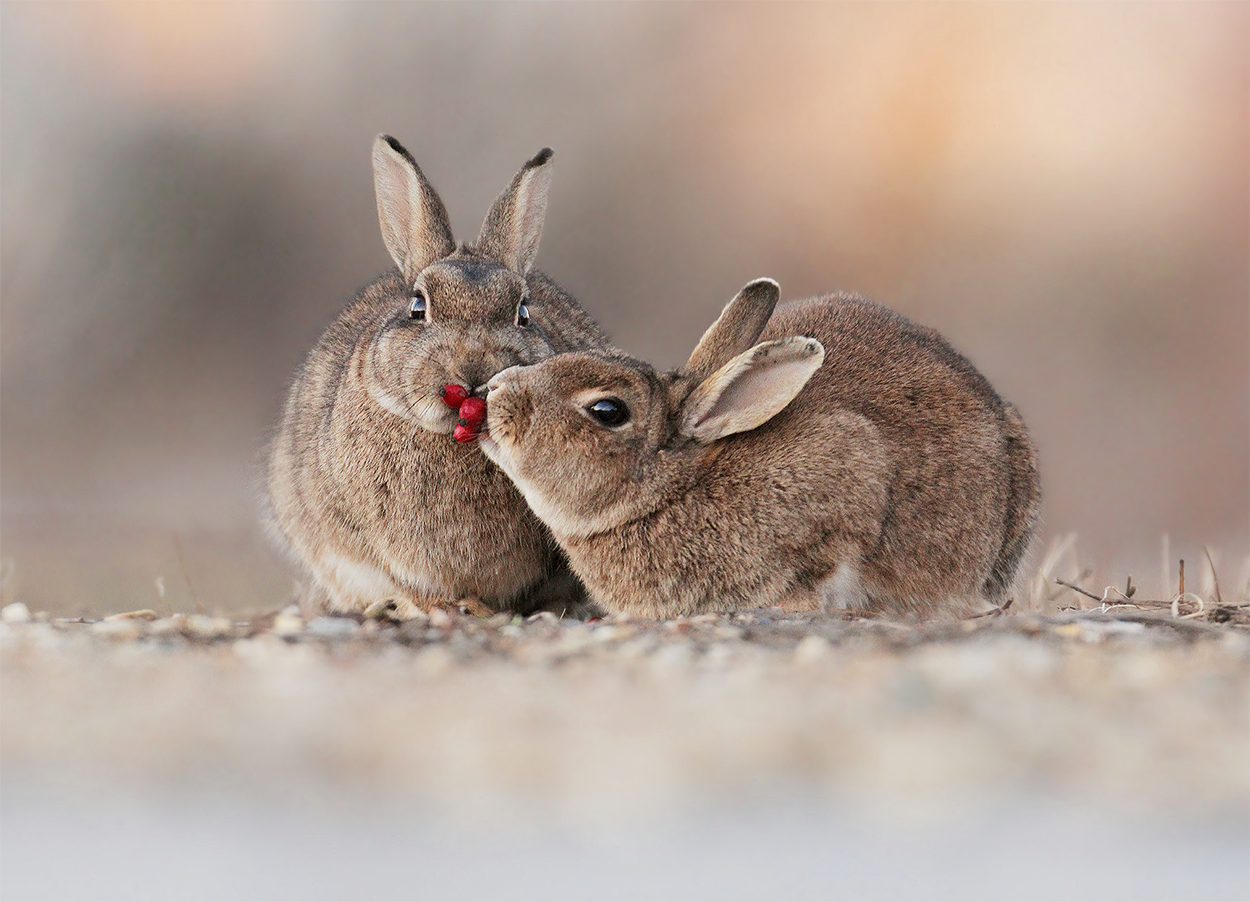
x,y
751,389
736,329
515,222
413,219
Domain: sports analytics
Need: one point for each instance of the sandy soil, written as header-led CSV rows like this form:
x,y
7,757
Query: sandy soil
x,y
1140,709
1136,718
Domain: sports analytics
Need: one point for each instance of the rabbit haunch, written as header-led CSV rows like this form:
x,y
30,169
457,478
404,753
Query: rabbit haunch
x,y
372,496
852,460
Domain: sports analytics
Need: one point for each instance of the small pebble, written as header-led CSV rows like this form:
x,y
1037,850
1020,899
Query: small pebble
x,y
287,625
1094,631
332,627
811,649
612,632
145,614
204,627
433,661
120,630
15,613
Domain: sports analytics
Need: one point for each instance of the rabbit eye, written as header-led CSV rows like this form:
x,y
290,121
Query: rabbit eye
x,y
609,411
416,310
522,315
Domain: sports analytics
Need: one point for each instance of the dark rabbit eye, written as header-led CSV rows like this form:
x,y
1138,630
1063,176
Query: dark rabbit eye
x,y
417,309
522,315
609,411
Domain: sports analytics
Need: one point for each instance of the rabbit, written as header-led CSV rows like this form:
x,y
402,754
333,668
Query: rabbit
x,y
366,487
851,460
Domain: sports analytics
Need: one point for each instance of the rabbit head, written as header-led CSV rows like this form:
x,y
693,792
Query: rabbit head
x,y
597,440
466,312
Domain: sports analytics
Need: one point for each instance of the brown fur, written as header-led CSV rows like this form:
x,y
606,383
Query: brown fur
x,y
897,481
366,485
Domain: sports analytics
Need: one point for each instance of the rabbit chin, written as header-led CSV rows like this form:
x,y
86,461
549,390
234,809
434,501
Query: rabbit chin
x,y
561,523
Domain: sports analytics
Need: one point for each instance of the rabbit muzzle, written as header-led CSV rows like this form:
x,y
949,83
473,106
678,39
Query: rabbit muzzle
x,y
507,415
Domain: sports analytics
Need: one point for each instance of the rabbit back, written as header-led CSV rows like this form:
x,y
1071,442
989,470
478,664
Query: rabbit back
x,y
962,492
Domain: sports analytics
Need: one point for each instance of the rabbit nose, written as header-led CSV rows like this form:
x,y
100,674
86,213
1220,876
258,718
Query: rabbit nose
x,y
474,377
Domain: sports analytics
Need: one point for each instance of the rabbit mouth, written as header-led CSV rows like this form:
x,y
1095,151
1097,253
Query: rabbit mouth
x,y
428,412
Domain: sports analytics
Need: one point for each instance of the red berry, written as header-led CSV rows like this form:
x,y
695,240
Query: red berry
x,y
473,411
464,433
454,395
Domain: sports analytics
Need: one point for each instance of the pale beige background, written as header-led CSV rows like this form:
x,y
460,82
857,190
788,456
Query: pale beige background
x,y
187,200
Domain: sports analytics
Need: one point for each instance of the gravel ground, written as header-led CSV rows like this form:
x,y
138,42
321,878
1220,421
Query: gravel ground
x,y
746,755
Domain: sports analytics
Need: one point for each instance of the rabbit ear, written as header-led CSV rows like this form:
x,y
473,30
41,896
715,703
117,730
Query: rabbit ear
x,y
736,329
751,389
413,218
515,222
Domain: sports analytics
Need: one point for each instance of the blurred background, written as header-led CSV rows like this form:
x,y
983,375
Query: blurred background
x,y
187,200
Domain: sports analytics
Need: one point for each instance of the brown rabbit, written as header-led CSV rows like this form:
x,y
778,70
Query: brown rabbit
x,y
372,495
851,460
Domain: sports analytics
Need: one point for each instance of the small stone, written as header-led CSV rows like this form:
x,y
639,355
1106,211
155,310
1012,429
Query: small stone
x,y
673,656
287,625
145,614
15,613
120,630
1095,631
168,625
811,649
332,627
433,661
612,632
204,627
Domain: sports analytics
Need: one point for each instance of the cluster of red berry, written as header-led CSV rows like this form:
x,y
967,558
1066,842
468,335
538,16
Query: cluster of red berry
x,y
472,412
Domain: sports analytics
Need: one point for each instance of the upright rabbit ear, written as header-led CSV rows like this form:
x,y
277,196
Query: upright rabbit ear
x,y
751,389
736,329
413,218
515,222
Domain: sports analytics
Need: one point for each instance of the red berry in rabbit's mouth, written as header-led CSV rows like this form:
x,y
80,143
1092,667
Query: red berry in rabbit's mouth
x,y
472,416
454,395
473,411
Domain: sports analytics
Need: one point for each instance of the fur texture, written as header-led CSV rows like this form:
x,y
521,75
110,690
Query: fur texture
x,y
890,477
366,485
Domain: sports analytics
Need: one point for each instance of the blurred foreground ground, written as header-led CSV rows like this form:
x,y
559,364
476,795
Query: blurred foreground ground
x,y
758,755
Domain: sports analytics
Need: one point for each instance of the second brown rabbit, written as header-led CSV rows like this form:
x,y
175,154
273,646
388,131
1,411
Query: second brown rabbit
x,y
852,459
